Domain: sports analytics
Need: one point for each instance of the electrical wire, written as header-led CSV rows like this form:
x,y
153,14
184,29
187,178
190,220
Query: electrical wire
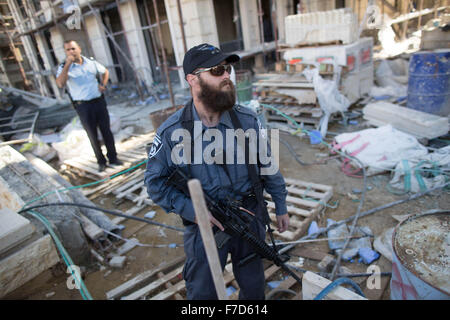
x,y
294,154
170,245
66,257
322,294
120,214
87,184
363,193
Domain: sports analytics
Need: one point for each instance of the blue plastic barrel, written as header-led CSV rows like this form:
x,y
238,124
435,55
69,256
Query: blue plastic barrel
x,y
429,82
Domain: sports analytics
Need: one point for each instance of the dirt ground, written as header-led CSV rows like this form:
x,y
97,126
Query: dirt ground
x,y
52,284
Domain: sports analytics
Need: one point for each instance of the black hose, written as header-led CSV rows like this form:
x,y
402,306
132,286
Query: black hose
x,y
104,210
294,154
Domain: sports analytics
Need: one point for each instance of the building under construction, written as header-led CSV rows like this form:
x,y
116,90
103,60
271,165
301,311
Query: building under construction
x,y
143,41
323,72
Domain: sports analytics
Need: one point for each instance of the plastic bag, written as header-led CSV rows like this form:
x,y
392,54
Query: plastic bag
x,y
330,99
391,76
426,172
380,149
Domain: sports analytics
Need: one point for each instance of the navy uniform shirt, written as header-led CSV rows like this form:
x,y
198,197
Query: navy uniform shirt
x,y
217,181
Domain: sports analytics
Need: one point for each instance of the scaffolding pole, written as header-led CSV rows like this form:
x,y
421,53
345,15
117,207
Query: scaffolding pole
x,y
13,49
180,17
273,7
166,71
28,46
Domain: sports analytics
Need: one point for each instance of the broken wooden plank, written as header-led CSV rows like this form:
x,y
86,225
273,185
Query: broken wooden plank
x,y
140,278
153,285
304,201
313,284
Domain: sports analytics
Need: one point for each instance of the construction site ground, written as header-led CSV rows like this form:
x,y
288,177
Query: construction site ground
x,y
99,279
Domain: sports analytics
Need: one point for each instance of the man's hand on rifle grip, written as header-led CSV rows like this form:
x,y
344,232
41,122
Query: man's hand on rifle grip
x,y
214,221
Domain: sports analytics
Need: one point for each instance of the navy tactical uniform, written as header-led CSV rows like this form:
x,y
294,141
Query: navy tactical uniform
x,y
220,181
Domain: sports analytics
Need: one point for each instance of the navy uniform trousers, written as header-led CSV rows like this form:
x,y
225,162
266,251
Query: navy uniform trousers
x,y
94,114
196,272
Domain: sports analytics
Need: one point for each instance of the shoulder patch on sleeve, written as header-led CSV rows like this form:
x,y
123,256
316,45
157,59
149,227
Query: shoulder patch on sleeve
x,y
262,130
155,147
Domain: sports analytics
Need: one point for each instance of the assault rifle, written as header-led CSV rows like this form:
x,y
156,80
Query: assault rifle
x,y
236,222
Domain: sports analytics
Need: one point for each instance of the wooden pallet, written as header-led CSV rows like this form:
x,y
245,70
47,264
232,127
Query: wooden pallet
x,y
304,201
305,115
285,46
166,283
297,111
130,152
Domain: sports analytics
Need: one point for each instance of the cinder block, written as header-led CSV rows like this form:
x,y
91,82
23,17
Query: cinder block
x,y
117,261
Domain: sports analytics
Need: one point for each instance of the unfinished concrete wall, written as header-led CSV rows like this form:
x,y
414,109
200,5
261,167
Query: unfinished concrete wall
x,y
199,26
4,76
99,44
319,5
48,63
283,10
132,26
57,41
250,23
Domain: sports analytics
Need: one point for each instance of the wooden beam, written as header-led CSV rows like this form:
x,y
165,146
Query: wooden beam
x,y
209,243
436,4
405,7
313,284
390,6
140,278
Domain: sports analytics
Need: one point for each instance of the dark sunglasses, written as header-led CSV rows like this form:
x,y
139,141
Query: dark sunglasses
x,y
216,70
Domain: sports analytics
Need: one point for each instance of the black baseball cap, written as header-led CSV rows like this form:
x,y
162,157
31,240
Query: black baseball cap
x,y
205,56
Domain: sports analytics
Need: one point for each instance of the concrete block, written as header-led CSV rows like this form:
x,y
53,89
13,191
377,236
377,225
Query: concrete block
x,y
417,123
25,264
326,263
117,261
13,229
325,26
128,246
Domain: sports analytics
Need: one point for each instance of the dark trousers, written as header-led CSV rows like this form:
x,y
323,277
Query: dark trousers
x,y
94,114
196,272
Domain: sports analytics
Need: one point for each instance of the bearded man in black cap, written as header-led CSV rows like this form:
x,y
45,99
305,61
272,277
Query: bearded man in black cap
x,y
213,112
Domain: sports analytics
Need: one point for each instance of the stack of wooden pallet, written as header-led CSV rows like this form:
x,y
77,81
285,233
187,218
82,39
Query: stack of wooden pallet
x,y
304,201
292,94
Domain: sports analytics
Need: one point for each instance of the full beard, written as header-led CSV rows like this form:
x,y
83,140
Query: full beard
x,y
216,99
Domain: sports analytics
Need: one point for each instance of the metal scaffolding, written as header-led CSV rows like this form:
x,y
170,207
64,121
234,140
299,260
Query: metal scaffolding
x,y
30,22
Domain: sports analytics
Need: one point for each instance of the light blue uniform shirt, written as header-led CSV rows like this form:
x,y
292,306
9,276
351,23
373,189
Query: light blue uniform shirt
x,y
82,82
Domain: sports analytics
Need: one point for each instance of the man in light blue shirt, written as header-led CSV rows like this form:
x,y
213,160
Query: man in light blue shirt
x,y
86,80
